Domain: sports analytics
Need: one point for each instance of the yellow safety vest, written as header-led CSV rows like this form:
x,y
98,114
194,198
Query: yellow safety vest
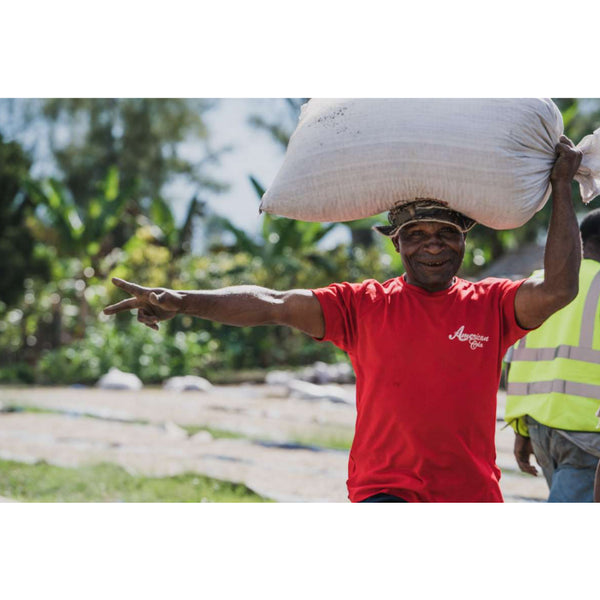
x,y
555,370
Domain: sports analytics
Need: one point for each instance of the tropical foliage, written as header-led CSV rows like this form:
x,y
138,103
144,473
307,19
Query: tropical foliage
x,y
107,212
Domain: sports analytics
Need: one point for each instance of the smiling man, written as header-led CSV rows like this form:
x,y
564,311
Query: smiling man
x,y
426,347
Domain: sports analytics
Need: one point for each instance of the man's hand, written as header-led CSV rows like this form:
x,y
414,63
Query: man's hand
x,y
523,451
153,304
567,161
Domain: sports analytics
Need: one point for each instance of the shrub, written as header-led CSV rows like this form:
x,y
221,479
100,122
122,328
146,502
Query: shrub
x,y
152,355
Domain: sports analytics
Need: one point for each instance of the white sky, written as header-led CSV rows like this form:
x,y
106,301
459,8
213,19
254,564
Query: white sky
x,y
254,153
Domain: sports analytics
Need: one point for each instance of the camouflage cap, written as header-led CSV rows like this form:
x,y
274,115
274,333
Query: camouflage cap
x,y
402,215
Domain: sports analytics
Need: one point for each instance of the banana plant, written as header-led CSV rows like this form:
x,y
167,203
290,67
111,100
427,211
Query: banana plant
x,y
73,231
280,237
177,238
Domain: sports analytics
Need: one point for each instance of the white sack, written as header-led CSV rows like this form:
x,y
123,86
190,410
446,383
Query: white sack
x,y
487,158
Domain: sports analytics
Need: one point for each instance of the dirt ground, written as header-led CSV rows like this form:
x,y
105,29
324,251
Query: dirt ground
x,y
143,432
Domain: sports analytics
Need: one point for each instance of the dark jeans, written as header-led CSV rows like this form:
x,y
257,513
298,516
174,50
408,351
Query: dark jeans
x,y
569,471
383,498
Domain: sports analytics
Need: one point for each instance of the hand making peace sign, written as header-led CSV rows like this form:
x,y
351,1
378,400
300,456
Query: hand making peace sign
x,y
153,304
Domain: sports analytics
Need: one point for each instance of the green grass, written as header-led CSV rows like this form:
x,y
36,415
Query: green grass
x,y
24,408
329,440
332,441
42,482
10,408
216,433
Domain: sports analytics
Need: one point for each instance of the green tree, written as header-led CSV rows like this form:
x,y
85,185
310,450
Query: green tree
x,y
72,241
284,245
144,139
17,244
281,124
140,136
76,231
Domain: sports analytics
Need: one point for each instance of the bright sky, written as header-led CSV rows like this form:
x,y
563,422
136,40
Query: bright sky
x,y
254,153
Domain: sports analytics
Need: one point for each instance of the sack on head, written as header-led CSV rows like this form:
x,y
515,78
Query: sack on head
x,y
489,159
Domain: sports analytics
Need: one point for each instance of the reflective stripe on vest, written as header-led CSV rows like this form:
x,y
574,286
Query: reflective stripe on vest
x,y
586,337
558,386
581,353
573,352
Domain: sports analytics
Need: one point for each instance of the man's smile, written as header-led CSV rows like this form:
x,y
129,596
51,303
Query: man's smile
x,y
434,263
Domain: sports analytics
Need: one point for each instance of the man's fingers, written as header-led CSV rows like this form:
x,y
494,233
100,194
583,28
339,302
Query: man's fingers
x,y
565,140
563,148
131,288
527,467
149,324
127,304
135,290
147,319
154,298
145,316
144,299
162,300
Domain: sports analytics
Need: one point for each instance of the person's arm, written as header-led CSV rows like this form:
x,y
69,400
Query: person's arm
x,y
536,300
597,484
523,450
243,306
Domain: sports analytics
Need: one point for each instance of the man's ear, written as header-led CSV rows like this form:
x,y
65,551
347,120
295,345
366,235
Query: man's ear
x,y
396,242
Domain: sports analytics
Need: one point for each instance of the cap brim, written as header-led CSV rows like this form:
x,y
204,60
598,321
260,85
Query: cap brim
x,y
423,210
387,230
391,230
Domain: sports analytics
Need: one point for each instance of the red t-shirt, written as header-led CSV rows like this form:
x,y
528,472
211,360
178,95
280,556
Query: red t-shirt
x,y
427,371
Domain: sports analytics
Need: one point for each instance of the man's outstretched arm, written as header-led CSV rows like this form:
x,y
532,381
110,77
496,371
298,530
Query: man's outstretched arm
x,y
536,300
243,306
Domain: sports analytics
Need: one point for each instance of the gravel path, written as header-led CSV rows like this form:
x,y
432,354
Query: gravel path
x,y
142,431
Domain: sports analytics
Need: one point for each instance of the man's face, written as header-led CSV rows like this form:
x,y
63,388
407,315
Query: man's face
x,y
431,252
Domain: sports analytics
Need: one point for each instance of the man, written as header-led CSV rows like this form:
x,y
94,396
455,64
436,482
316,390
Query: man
x,y
426,347
597,477
597,485
554,386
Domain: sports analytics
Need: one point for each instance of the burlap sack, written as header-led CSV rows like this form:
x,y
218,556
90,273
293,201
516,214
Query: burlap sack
x,y
487,158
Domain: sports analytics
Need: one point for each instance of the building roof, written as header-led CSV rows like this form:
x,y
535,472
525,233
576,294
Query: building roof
x,y
518,263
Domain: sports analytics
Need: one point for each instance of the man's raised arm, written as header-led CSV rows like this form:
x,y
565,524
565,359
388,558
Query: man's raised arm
x,y
536,300
243,306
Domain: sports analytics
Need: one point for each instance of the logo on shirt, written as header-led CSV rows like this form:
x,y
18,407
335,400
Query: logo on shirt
x,y
473,339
